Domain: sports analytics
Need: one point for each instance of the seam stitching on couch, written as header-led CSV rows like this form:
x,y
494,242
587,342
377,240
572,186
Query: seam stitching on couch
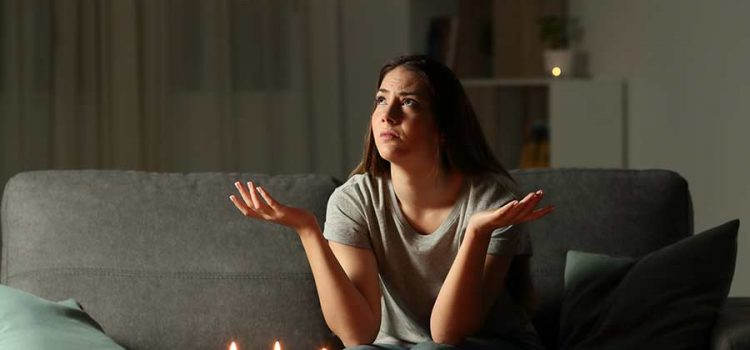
x,y
187,275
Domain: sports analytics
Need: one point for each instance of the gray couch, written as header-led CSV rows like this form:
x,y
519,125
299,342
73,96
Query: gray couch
x,y
164,261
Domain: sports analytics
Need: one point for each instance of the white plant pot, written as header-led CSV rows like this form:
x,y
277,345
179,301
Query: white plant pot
x,y
558,63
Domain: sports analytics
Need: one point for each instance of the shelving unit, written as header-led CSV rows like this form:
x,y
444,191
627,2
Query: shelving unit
x,y
586,119
520,82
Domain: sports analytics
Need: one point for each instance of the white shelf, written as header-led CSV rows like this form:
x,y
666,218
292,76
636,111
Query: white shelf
x,y
519,82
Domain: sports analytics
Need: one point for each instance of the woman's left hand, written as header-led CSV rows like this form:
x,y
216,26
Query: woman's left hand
x,y
512,213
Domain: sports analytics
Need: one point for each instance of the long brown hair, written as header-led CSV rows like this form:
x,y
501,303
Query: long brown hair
x,y
464,149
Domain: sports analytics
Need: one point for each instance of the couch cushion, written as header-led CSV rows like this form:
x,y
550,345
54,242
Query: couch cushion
x,y
28,322
667,299
614,212
165,261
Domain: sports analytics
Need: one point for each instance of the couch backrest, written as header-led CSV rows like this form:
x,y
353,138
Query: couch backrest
x,y
196,273
165,261
617,212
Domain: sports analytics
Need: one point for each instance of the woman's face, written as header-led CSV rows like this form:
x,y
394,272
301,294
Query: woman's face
x,y
403,124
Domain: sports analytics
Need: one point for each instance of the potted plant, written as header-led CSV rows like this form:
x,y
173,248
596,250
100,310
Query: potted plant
x,y
558,58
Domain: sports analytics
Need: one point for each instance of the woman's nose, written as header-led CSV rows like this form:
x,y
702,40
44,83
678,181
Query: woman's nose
x,y
391,116
387,118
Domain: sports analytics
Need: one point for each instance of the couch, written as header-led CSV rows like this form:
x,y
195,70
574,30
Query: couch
x,y
165,261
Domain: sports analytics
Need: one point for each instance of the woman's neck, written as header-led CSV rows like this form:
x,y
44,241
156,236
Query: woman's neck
x,y
426,189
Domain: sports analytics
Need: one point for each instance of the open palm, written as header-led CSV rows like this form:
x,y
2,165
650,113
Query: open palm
x,y
512,213
257,203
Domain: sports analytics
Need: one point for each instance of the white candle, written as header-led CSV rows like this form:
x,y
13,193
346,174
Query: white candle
x,y
233,346
277,346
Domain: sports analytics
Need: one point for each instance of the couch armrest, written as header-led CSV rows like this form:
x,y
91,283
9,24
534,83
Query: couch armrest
x,y
732,328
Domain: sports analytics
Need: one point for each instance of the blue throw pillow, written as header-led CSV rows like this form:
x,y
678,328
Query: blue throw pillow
x,y
28,322
667,299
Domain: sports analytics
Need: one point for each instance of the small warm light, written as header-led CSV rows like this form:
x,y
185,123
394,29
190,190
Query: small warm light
x,y
233,346
556,71
277,346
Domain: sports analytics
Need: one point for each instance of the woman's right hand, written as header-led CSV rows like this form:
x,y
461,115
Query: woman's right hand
x,y
512,213
265,207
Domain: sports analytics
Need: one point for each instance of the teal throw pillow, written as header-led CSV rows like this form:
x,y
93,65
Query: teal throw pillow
x,y
667,299
28,322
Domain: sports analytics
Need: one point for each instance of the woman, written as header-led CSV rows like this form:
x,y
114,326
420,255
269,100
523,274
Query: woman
x,y
421,247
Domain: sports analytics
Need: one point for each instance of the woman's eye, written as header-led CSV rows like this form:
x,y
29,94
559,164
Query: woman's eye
x,y
409,102
380,100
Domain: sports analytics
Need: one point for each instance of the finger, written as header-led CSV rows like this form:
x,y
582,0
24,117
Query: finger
x,y
254,195
534,197
245,195
537,214
508,206
501,215
242,206
525,205
529,203
267,197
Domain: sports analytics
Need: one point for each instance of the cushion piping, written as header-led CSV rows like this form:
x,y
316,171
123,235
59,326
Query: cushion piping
x,y
180,275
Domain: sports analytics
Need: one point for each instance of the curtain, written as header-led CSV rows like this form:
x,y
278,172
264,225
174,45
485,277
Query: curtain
x,y
168,85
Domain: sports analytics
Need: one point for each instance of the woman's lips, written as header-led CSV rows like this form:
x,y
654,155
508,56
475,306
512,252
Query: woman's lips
x,y
388,135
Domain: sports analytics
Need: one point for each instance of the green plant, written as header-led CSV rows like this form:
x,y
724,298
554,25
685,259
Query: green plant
x,y
553,31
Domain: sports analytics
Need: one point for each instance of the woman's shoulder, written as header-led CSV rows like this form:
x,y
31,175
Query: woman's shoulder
x,y
361,187
490,187
495,182
357,182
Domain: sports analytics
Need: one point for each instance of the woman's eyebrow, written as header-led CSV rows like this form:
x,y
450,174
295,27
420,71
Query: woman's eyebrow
x,y
402,93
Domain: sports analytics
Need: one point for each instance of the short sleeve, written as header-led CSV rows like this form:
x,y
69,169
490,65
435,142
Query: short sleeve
x,y
512,240
345,219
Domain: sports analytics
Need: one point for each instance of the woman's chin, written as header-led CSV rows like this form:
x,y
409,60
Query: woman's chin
x,y
391,155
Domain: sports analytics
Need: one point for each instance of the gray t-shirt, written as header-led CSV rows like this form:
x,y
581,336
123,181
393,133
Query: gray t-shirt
x,y
364,212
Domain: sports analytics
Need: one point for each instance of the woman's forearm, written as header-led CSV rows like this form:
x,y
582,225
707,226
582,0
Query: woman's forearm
x,y
458,309
345,309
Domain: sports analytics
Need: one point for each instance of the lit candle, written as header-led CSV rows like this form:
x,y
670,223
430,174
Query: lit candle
x,y
233,346
277,346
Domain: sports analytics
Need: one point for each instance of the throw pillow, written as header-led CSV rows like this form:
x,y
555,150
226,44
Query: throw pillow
x,y
667,299
28,322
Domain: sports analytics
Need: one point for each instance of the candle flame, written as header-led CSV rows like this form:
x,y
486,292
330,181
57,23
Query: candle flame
x,y
233,346
277,346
